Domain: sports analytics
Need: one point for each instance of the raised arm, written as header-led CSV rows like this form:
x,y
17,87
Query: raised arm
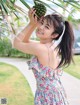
x,y
25,34
22,43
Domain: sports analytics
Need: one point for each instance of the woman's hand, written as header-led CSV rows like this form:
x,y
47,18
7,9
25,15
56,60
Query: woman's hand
x,y
33,17
34,20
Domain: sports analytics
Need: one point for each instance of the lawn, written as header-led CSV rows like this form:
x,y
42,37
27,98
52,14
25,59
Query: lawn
x,y
14,87
74,69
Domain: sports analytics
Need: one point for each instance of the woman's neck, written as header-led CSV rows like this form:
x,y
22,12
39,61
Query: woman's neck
x,y
49,43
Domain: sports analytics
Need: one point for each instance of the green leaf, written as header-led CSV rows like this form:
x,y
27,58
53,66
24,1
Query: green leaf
x,y
1,19
74,5
13,1
25,4
4,1
45,4
3,9
60,6
16,15
10,5
12,9
6,8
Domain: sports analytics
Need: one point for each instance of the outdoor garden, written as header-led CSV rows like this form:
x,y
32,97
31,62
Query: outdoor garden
x,y
13,18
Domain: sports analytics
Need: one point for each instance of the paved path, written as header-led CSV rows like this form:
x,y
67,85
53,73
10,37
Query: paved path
x,y
70,83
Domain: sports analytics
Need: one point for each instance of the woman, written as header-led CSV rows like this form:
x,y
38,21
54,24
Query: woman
x,y
48,57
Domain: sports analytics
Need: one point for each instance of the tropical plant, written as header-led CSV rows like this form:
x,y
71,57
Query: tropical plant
x,y
9,9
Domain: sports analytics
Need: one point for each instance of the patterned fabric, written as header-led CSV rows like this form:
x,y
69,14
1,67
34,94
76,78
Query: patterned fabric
x,y
49,88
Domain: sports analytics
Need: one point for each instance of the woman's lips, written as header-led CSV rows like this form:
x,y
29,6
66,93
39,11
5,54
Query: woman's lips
x,y
39,32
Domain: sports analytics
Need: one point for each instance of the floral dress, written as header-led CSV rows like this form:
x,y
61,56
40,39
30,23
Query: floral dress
x,y
49,88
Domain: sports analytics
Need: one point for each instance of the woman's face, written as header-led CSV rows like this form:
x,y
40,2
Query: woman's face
x,y
44,30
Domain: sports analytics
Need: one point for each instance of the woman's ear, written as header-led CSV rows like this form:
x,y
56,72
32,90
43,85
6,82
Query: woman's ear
x,y
54,35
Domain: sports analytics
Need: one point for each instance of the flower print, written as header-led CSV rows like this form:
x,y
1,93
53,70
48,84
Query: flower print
x,y
49,89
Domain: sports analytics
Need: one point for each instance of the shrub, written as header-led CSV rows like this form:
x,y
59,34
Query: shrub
x,y
7,50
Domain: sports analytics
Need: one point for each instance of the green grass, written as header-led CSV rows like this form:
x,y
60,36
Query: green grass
x,y
14,86
74,69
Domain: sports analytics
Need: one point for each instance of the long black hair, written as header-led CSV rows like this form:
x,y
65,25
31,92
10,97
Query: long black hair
x,y
66,44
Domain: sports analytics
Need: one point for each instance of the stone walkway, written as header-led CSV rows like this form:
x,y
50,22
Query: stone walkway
x,y
70,83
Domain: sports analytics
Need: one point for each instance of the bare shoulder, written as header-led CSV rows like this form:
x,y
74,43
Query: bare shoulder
x,y
40,48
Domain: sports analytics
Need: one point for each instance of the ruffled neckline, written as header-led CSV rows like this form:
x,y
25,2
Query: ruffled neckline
x,y
34,63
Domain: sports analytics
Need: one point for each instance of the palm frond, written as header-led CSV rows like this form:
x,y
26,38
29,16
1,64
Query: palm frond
x,y
77,6
9,8
48,6
20,10
23,1
59,5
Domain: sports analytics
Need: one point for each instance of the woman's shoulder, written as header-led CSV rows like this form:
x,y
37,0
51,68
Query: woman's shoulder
x,y
35,47
37,43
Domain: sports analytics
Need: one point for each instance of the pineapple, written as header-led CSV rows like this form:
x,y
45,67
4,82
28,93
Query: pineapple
x,y
40,9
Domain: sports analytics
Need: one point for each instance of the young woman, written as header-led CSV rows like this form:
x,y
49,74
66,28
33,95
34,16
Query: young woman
x,y
48,57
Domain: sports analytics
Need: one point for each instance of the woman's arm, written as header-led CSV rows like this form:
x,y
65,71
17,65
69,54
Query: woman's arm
x,y
25,34
22,43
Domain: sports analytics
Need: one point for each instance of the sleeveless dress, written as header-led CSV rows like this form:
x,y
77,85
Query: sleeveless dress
x,y
49,91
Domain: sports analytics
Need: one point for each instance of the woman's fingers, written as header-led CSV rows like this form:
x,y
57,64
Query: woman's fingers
x,y
36,19
31,10
33,17
33,13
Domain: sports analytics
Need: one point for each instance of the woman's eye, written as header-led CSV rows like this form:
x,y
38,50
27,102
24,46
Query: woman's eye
x,y
47,27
